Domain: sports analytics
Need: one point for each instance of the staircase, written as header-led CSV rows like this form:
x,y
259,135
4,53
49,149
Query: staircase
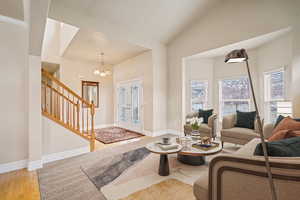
x,y
65,107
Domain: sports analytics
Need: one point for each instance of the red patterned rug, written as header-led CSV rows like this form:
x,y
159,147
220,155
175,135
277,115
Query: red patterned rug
x,y
115,134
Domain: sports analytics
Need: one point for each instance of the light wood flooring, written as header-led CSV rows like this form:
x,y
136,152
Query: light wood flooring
x,y
23,185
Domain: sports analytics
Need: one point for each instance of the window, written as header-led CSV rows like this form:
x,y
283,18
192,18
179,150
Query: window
x,y
90,92
234,95
199,92
274,92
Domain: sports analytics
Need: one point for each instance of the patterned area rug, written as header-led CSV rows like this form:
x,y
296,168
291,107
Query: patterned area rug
x,y
115,134
108,169
170,189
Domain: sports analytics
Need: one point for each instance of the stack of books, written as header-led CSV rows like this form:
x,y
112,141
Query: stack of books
x,y
167,147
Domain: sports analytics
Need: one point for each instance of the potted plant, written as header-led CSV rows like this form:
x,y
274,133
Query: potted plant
x,y
195,124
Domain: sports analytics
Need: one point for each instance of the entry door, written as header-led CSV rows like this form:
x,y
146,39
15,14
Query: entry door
x,y
130,105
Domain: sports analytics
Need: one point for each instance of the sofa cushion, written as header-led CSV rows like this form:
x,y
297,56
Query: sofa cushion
x,y
245,119
289,147
283,134
280,118
248,149
240,133
200,187
205,114
204,128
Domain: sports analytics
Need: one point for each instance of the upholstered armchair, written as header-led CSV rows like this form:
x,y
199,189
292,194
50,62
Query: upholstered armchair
x,y
209,129
243,176
237,135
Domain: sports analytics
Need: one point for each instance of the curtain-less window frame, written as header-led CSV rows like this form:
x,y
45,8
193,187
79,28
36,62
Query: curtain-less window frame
x,y
249,100
267,94
90,84
205,103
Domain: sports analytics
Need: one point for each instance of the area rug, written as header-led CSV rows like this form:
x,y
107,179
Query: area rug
x,y
65,179
115,134
170,189
106,170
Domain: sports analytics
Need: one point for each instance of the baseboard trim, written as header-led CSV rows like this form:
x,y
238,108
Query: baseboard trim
x,y
167,131
33,165
104,125
175,132
65,154
162,132
12,166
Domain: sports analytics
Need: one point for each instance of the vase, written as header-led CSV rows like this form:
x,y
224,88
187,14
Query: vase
x,y
195,132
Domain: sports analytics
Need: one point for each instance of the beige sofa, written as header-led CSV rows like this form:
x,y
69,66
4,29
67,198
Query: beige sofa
x,y
238,135
243,176
209,129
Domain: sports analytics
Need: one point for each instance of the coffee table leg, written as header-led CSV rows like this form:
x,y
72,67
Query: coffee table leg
x,y
163,165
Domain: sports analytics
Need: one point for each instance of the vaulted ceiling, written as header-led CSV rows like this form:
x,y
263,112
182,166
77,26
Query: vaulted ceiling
x,y
87,45
143,22
12,8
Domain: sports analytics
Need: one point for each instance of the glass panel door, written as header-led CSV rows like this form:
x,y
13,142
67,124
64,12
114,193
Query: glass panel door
x,y
129,105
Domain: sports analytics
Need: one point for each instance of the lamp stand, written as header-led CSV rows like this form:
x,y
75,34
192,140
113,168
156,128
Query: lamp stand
x,y
264,146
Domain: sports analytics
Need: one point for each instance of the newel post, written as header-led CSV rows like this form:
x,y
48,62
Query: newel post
x,y
92,141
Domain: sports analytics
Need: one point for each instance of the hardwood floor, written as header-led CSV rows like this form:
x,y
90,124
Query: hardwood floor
x,y
20,185
23,185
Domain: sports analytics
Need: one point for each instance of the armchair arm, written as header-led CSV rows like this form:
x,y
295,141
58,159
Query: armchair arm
x,y
211,120
212,123
268,128
228,121
236,177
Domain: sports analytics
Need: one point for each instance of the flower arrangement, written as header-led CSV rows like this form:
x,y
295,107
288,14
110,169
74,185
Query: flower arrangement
x,y
195,122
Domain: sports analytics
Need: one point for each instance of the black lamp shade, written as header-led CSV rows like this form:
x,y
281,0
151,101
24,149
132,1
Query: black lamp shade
x,y
236,56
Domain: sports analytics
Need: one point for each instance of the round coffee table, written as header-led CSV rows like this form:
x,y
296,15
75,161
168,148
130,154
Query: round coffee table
x,y
195,156
163,162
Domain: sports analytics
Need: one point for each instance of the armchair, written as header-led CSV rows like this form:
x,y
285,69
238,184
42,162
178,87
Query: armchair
x,y
209,129
236,176
238,135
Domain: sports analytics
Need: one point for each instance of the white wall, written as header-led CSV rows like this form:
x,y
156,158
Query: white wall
x,y
159,56
199,69
229,22
51,43
72,72
274,55
267,57
57,139
13,118
139,67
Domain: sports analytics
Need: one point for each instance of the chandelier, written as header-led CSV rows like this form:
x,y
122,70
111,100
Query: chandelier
x,y
101,71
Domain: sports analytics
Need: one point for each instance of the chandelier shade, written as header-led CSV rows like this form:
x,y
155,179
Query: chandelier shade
x,y
100,70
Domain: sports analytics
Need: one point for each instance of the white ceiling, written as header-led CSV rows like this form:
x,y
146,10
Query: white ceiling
x,y
87,45
158,20
12,8
247,44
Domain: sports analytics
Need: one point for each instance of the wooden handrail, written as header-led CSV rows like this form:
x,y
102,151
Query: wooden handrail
x,y
49,76
62,105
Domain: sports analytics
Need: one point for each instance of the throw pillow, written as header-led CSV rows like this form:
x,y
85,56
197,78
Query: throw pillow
x,y
287,124
289,147
205,114
245,119
283,134
280,118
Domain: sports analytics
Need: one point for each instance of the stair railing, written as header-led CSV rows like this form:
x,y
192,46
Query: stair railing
x,y
65,107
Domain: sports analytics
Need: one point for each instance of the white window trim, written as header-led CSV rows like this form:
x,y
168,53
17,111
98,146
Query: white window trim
x,y
190,91
267,98
230,100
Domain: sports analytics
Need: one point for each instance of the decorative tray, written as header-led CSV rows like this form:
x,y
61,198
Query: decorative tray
x,y
206,147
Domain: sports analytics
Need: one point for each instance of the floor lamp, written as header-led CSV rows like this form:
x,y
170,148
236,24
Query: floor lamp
x,y
237,56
